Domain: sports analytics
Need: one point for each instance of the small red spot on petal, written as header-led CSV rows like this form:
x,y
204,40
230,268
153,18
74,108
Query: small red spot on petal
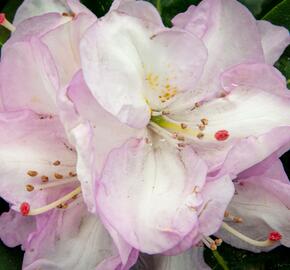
x,y
25,208
2,18
274,236
222,135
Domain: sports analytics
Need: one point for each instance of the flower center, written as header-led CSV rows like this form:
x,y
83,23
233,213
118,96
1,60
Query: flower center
x,y
182,133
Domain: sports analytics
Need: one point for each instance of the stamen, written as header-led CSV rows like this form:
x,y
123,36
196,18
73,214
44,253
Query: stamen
x,y
72,174
58,176
56,163
272,238
221,135
53,184
29,187
44,178
26,211
32,173
204,121
183,125
235,219
5,23
210,243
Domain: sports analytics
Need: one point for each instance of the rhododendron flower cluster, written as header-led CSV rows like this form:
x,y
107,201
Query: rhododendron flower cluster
x,y
126,142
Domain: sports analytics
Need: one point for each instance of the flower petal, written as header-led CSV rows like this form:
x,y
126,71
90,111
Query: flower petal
x,y
225,26
140,9
71,239
28,77
65,51
90,128
14,228
30,144
261,76
263,204
140,65
34,8
189,260
275,39
31,8
150,191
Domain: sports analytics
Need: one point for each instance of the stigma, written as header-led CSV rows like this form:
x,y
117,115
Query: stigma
x,y
5,23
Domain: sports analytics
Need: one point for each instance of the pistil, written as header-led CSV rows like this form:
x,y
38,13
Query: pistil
x,y
273,237
5,23
27,211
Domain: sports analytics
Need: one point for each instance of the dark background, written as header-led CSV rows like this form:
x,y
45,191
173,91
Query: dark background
x,y
276,11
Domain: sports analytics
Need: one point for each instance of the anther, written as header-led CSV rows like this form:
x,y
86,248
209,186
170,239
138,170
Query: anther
x,y
44,178
29,187
181,145
180,138
56,163
201,127
218,241
200,135
25,208
32,173
72,174
58,176
183,125
204,121
222,135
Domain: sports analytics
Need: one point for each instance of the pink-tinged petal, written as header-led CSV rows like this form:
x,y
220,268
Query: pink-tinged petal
x,y
65,51
30,144
70,239
36,27
128,63
90,128
192,259
240,114
140,9
225,26
263,204
216,195
28,77
270,167
31,8
275,39
15,229
261,76
151,191
253,150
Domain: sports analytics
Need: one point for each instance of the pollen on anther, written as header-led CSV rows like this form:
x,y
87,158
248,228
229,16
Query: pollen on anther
x,y
25,208
32,173
222,135
183,125
274,236
58,176
72,174
204,121
56,163
44,178
200,135
29,187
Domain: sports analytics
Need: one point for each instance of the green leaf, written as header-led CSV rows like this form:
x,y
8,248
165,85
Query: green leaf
x,y
99,7
10,258
280,14
169,8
